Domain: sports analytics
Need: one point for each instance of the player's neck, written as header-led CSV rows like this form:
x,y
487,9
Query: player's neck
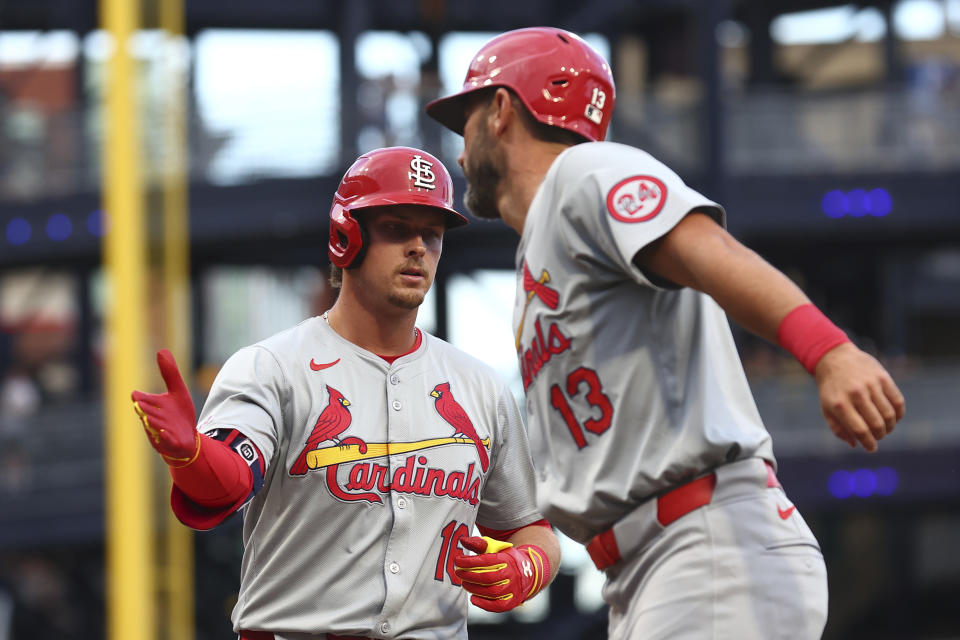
x,y
381,331
528,164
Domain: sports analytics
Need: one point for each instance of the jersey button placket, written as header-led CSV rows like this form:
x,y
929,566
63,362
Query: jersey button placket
x,y
397,430
402,400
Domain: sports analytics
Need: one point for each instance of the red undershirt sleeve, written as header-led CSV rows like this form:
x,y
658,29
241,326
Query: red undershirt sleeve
x,y
504,534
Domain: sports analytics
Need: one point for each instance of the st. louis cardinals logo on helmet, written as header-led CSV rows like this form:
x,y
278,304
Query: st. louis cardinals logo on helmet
x,y
421,172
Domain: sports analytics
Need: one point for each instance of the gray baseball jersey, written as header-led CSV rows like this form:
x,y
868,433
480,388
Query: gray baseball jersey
x,y
631,386
375,473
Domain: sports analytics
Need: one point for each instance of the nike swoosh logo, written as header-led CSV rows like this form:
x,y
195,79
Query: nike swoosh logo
x,y
785,513
321,367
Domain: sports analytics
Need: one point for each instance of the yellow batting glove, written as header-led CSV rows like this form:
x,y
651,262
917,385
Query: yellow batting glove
x,y
502,576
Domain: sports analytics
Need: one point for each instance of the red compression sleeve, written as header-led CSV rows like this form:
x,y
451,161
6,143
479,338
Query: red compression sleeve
x,y
808,335
218,477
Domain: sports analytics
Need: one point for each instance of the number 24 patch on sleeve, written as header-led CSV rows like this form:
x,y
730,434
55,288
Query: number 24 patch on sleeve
x,y
636,199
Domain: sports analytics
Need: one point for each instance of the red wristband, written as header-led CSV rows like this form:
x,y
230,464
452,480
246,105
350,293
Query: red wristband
x,y
808,335
541,568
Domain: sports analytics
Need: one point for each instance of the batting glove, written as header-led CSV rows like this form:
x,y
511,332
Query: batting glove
x,y
502,576
169,418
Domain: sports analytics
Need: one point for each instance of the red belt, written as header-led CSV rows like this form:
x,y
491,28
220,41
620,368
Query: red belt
x,y
267,635
671,506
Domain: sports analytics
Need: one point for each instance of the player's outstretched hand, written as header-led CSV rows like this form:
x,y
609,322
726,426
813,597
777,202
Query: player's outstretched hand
x,y
169,418
502,576
857,396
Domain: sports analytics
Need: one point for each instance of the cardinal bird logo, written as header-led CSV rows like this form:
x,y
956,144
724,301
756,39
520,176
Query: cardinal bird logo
x,y
451,411
333,420
536,288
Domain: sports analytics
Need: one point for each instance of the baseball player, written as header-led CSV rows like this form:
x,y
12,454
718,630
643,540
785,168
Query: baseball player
x,y
363,449
648,445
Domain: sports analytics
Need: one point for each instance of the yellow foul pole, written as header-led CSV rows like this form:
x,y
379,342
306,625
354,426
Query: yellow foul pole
x,y
178,576
130,522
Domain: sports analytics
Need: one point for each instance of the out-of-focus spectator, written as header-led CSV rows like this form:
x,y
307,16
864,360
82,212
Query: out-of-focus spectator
x,y
929,82
47,596
19,399
15,468
6,612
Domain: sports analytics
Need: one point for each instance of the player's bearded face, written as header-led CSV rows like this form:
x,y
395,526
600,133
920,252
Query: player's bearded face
x,y
483,168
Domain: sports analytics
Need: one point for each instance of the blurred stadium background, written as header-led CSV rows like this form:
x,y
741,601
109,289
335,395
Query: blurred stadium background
x,y
831,133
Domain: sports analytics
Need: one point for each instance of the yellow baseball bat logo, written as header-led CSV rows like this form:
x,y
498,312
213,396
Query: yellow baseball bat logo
x,y
327,456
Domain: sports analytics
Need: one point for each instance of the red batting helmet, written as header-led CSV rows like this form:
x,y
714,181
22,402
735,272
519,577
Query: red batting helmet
x,y
383,178
558,76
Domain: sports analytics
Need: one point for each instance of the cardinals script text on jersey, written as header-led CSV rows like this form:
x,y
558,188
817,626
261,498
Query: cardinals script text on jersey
x,y
365,480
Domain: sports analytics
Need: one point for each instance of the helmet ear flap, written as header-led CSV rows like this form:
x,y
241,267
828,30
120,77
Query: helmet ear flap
x,y
362,251
348,238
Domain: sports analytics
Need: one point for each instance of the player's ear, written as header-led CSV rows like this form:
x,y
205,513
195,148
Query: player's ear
x,y
502,110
